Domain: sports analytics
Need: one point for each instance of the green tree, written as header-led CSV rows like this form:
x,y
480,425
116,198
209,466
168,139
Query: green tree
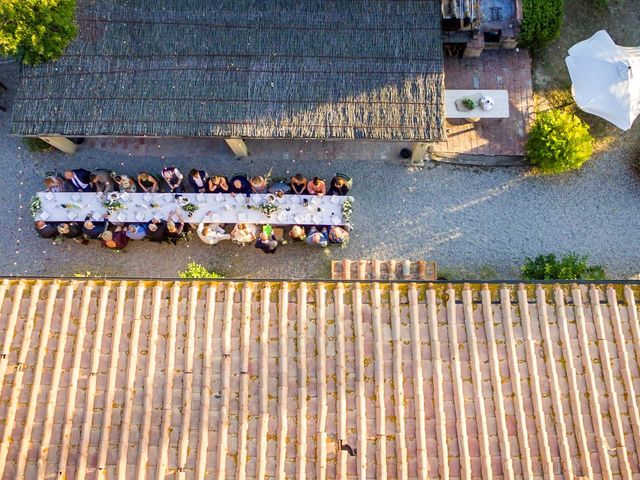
x,y
558,142
571,267
541,22
36,30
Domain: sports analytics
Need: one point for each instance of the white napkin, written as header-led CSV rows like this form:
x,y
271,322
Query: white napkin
x,y
44,215
242,217
121,216
97,216
317,219
299,219
49,196
147,197
72,215
140,216
201,197
75,197
335,199
241,198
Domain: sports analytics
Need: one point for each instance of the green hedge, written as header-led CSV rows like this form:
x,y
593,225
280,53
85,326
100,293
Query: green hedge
x,y
195,270
571,267
36,30
558,142
541,22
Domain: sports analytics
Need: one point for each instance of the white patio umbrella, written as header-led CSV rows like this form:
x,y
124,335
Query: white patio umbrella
x,y
606,79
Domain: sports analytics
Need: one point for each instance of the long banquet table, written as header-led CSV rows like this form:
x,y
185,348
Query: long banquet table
x,y
225,208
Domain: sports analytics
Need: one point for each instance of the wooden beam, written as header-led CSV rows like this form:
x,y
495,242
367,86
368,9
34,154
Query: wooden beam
x,y
419,152
61,143
238,147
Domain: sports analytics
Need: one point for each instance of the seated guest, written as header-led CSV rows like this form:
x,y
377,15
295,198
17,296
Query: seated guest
x,y
101,181
239,185
125,183
218,184
79,180
339,186
70,229
317,238
299,184
198,180
297,233
337,235
266,243
148,183
92,230
55,184
316,187
211,233
156,230
116,239
243,233
175,228
173,177
258,184
46,229
279,186
136,231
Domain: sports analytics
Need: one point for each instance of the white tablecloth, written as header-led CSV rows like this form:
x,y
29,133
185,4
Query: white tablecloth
x,y
225,208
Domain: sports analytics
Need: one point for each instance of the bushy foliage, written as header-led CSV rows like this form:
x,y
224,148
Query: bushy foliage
x,y
541,22
571,267
36,30
34,144
195,270
558,142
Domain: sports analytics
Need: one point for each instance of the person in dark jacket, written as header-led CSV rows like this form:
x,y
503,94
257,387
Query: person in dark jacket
x,y
339,186
46,229
70,230
173,178
239,185
198,180
157,230
266,243
79,180
101,181
115,240
92,230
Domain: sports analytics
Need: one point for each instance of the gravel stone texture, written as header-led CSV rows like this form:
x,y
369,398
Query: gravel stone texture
x,y
475,223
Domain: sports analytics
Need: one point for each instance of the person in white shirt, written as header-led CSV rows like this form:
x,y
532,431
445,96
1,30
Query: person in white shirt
x,y
211,233
244,233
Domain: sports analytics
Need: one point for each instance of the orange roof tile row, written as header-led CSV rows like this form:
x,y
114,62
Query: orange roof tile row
x,y
317,380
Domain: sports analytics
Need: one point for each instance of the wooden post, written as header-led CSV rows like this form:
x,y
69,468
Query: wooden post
x,y
419,152
238,147
61,143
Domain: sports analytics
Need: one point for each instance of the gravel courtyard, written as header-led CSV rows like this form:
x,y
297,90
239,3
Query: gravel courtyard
x,y
475,223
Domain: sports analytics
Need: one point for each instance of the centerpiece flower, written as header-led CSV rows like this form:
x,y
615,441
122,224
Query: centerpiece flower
x,y
35,206
269,207
113,205
347,210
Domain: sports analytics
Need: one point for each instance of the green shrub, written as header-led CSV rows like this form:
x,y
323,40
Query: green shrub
x,y
558,142
571,267
37,30
34,144
541,22
195,270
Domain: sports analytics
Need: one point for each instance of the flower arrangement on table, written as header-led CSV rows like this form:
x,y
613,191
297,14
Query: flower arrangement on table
x,y
347,210
35,206
269,207
190,208
113,205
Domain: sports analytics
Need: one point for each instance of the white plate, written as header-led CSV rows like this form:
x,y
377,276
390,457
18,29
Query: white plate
x,y
72,215
97,216
315,200
121,217
175,218
282,216
168,197
317,219
147,197
49,196
113,196
44,215
140,216
75,197
256,198
299,219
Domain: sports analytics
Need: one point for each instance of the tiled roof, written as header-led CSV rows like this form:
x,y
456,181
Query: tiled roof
x,y
256,69
252,379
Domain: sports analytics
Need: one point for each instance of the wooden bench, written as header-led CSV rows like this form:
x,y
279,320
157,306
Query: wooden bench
x,y
499,110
